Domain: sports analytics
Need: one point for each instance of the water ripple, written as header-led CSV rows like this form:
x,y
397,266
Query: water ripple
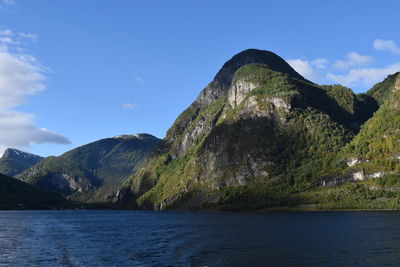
x,y
122,238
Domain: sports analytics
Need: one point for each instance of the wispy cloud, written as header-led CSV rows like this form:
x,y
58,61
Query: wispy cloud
x,y
353,59
15,40
6,32
21,75
319,63
8,2
30,36
5,5
139,79
129,106
387,45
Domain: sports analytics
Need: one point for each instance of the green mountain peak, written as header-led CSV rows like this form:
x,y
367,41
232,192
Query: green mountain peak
x,y
222,81
257,129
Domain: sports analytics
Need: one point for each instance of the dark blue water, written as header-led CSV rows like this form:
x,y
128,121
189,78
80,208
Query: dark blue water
x,y
131,238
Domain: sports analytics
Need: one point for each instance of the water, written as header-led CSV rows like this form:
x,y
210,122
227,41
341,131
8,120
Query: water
x,y
136,238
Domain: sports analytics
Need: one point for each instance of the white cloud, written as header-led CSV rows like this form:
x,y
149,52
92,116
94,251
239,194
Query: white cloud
x,y
129,106
351,71
17,129
386,45
353,60
364,76
305,68
320,63
21,75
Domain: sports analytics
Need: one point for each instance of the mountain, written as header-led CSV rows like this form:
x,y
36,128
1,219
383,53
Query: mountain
x,y
15,161
366,172
92,172
256,136
15,194
375,150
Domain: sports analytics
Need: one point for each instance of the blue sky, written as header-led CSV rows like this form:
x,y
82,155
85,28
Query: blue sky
x,y
94,69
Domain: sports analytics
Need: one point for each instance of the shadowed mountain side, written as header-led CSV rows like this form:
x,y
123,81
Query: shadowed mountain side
x,y
15,194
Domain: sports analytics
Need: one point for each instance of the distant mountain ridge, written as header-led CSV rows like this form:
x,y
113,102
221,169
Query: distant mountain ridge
x,y
92,172
15,161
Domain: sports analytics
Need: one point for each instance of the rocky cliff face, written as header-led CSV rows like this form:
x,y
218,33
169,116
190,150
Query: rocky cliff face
x,y
15,161
92,172
258,125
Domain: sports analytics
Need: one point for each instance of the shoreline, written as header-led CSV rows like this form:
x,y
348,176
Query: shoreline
x,y
265,210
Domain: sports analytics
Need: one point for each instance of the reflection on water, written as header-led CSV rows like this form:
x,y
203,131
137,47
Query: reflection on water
x,y
128,238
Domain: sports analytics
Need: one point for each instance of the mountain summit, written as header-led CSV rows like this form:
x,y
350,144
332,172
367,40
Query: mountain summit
x,y
271,61
222,81
12,153
15,161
